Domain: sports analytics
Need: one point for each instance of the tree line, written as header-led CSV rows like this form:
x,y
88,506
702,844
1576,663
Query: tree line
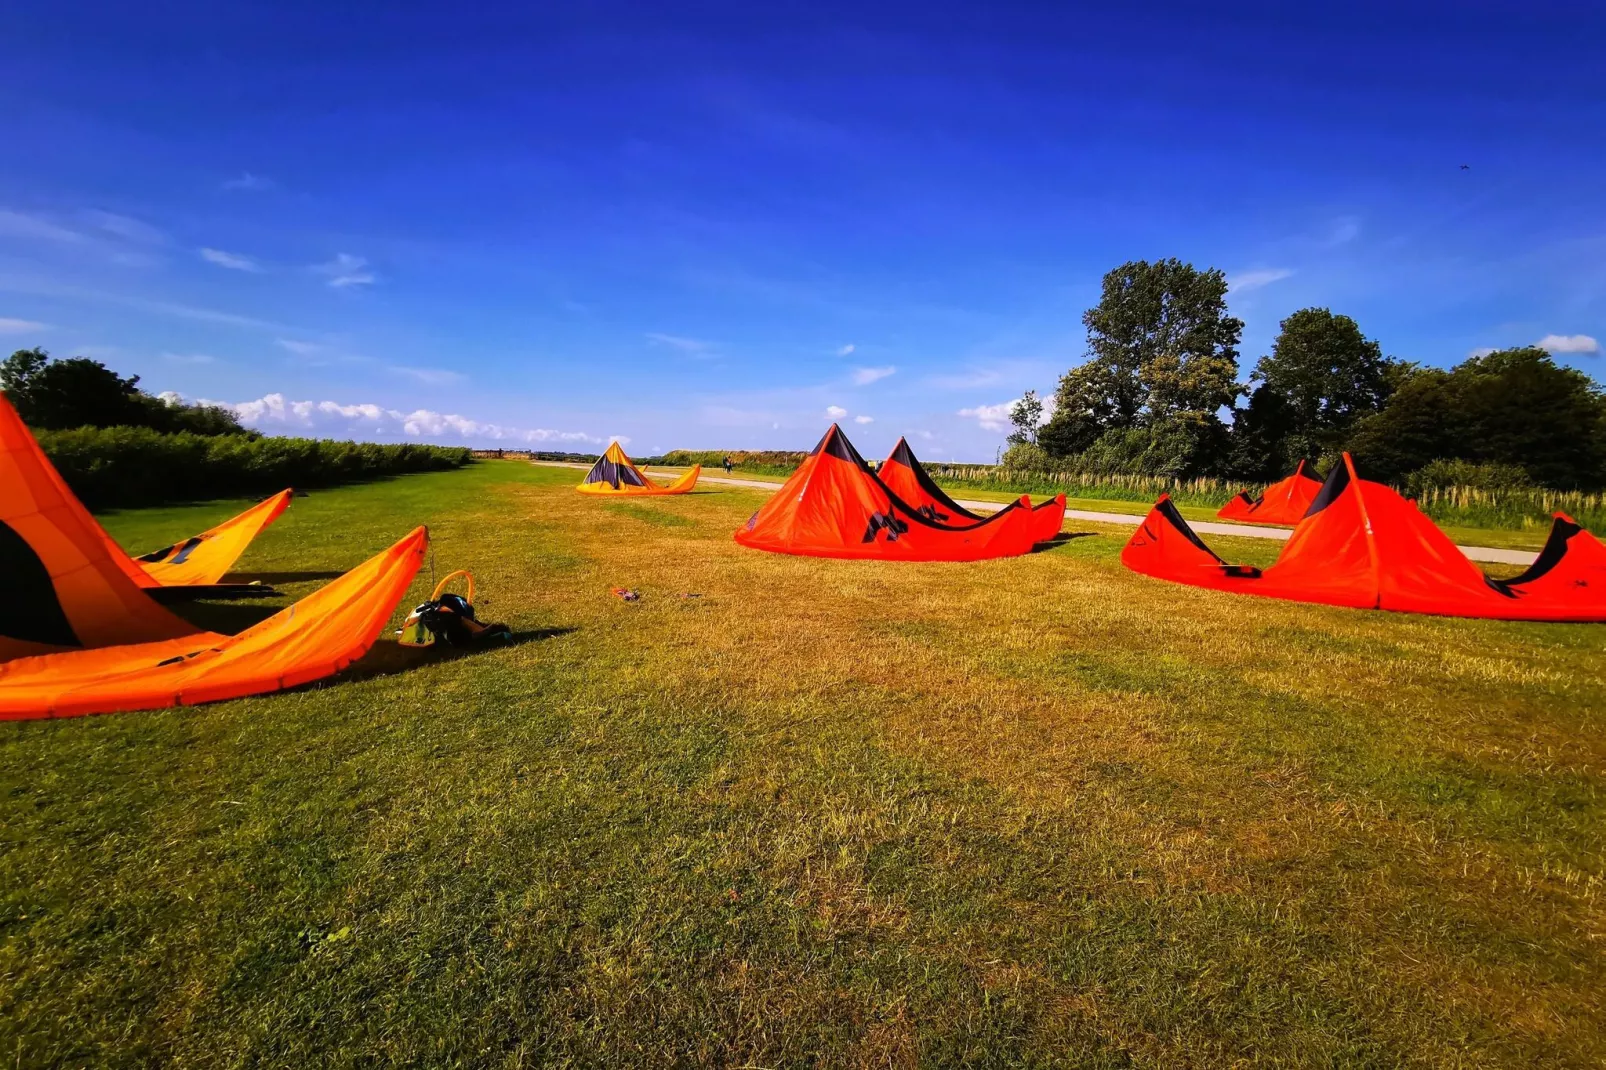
x,y
1160,394
55,395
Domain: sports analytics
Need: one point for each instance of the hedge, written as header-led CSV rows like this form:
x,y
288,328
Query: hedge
x,y
131,466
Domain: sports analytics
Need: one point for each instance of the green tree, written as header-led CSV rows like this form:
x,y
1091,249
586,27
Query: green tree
x,y
1512,407
17,374
1162,355
1327,375
57,394
1025,415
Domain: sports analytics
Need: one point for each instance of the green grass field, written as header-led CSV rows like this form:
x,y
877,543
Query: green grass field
x,y
1036,812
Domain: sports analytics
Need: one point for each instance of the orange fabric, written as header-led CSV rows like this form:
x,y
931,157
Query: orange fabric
x,y
77,587
1363,545
908,479
206,558
834,506
318,636
1284,502
615,474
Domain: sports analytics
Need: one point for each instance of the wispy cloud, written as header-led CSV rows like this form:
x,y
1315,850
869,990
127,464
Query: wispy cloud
x,y
835,412
1345,229
864,419
124,227
11,326
427,376
299,348
25,225
42,287
694,346
846,350
275,412
1569,343
346,270
866,376
249,183
1254,280
189,358
232,261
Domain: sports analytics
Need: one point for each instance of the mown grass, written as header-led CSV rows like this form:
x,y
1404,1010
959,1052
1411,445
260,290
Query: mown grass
x,y
1033,812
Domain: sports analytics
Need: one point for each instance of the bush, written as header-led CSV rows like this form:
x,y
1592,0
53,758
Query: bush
x,y
128,466
1444,474
762,462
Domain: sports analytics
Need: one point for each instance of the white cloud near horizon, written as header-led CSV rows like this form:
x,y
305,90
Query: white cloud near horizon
x,y
996,417
866,376
864,419
13,326
232,261
322,419
1254,280
1569,343
346,270
835,412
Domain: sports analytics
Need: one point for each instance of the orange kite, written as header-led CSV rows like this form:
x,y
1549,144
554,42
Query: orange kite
x,y
203,560
614,474
83,635
907,478
1284,502
1363,545
834,506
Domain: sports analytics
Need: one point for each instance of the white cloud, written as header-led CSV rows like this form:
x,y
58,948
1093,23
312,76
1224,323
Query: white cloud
x,y
249,183
1345,230
232,261
866,376
845,350
1254,280
37,228
10,326
1569,343
680,342
428,376
346,270
864,419
277,414
990,417
1481,351
835,412
300,349
123,227
189,358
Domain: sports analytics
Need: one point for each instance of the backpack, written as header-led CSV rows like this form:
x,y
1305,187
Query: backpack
x,y
449,619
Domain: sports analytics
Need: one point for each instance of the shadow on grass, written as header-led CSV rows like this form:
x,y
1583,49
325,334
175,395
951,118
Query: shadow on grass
x,y
271,578
1061,539
389,658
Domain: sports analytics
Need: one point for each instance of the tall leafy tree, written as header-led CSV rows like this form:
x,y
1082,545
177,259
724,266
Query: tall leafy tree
x,y
1326,375
79,392
1162,354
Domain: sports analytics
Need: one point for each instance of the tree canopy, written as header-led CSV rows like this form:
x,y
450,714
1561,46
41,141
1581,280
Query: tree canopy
x,y
79,392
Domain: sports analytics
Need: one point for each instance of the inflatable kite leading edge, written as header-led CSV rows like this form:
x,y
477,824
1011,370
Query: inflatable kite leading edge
x,y
614,474
1363,545
834,506
1284,502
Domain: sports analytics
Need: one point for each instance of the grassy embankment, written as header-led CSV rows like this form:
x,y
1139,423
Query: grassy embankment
x,y
1029,812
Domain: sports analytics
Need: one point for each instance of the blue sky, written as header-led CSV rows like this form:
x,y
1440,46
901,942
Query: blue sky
x,y
719,227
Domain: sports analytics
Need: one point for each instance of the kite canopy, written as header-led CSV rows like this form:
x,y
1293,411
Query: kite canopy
x,y
1284,502
1363,545
834,506
316,637
82,633
908,479
614,474
204,559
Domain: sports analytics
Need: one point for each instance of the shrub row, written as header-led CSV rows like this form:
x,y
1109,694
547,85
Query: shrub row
x,y
127,466
758,462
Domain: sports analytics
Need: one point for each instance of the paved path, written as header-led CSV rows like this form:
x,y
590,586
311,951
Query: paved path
x,y
1244,531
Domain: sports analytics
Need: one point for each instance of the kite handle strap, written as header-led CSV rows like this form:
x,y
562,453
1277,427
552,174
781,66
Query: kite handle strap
x,y
441,586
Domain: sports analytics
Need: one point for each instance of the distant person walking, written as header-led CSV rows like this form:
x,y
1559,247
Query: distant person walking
x,y
727,465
